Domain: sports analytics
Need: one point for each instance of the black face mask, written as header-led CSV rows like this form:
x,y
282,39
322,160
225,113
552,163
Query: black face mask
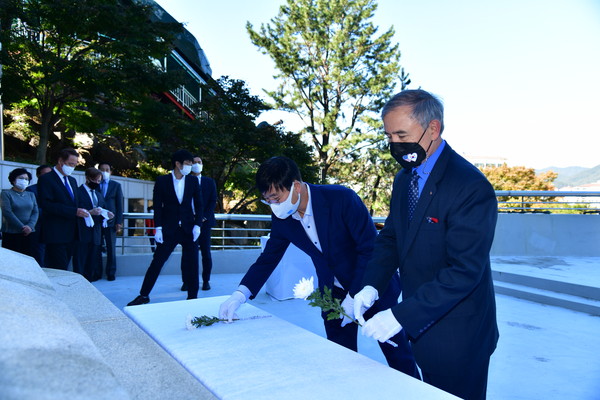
x,y
410,154
93,185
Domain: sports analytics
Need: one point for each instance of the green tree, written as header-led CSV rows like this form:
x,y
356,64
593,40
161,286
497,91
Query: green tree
x,y
334,71
88,59
232,146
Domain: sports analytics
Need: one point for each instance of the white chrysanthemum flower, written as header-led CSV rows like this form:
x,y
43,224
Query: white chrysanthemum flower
x,y
188,323
304,288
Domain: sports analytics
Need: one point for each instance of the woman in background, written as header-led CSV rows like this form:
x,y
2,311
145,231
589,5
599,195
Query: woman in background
x,y
19,213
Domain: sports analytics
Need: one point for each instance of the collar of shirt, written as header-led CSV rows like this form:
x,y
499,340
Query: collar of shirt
x,y
308,221
424,170
90,193
308,211
60,174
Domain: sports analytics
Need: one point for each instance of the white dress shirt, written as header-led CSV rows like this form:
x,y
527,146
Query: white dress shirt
x,y
308,223
179,185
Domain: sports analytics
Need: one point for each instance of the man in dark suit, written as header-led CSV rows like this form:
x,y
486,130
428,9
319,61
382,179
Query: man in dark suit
x,y
58,201
38,249
87,257
330,224
208,189
448,308
113,196
175,223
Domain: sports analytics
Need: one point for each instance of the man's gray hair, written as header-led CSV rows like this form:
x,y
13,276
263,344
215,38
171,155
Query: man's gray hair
x,y
425,106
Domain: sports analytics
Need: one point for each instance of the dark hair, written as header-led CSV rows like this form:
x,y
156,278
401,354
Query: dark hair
x,y
12,176
181,156
105,163
277,172
92,173
39,169
425,106
66,153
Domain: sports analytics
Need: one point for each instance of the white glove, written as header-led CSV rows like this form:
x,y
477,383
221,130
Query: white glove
x,y
158,235
348,306
230,306
89,221
382,326
195,233
363,301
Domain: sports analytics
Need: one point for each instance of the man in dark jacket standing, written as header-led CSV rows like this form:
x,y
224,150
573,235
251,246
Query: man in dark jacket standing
x,y
438,234
113,196
176,223
59,204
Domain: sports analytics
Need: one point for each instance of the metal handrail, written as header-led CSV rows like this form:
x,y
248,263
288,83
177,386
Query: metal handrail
x,y
227,235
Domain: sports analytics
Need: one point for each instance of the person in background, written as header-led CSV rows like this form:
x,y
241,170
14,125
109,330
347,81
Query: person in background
x,y
113,196
439,234
176,223
87,259
58,202
150,231
208,188
331,224
37,248
19,213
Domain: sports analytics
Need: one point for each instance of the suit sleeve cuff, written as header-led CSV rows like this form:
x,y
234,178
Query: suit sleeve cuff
x,y
245,291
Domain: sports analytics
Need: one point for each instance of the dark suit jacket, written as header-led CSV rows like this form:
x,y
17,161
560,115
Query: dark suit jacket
x,y
33,189
209,199
346,232
167,210
448,307
114,202
93,234
59,210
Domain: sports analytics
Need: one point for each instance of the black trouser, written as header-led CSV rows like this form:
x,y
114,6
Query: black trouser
x,y
87,261
109,239
400,358
58,255
204,244
37,249
189,261
469,384
17,242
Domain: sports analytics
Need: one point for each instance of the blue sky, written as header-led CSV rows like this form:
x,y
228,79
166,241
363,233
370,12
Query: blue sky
x,y
519,78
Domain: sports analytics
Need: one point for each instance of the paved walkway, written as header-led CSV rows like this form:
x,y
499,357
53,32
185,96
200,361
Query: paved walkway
x,y
544,352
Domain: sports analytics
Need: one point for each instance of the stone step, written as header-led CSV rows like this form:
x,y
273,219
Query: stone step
x,y
549,297
573,289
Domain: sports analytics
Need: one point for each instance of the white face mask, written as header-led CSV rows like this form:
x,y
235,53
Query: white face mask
x,y
196,168
285,209
21,184
105,175
67,170
186,169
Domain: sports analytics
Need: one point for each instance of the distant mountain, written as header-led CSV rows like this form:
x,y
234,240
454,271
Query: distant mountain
x,y
574,176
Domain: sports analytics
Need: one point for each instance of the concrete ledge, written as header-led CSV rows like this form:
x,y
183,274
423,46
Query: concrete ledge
x,y
142,367
62,339
44,352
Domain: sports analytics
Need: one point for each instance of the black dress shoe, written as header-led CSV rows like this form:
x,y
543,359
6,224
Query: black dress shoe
x,y
139,300
205,286
110,278
184,287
